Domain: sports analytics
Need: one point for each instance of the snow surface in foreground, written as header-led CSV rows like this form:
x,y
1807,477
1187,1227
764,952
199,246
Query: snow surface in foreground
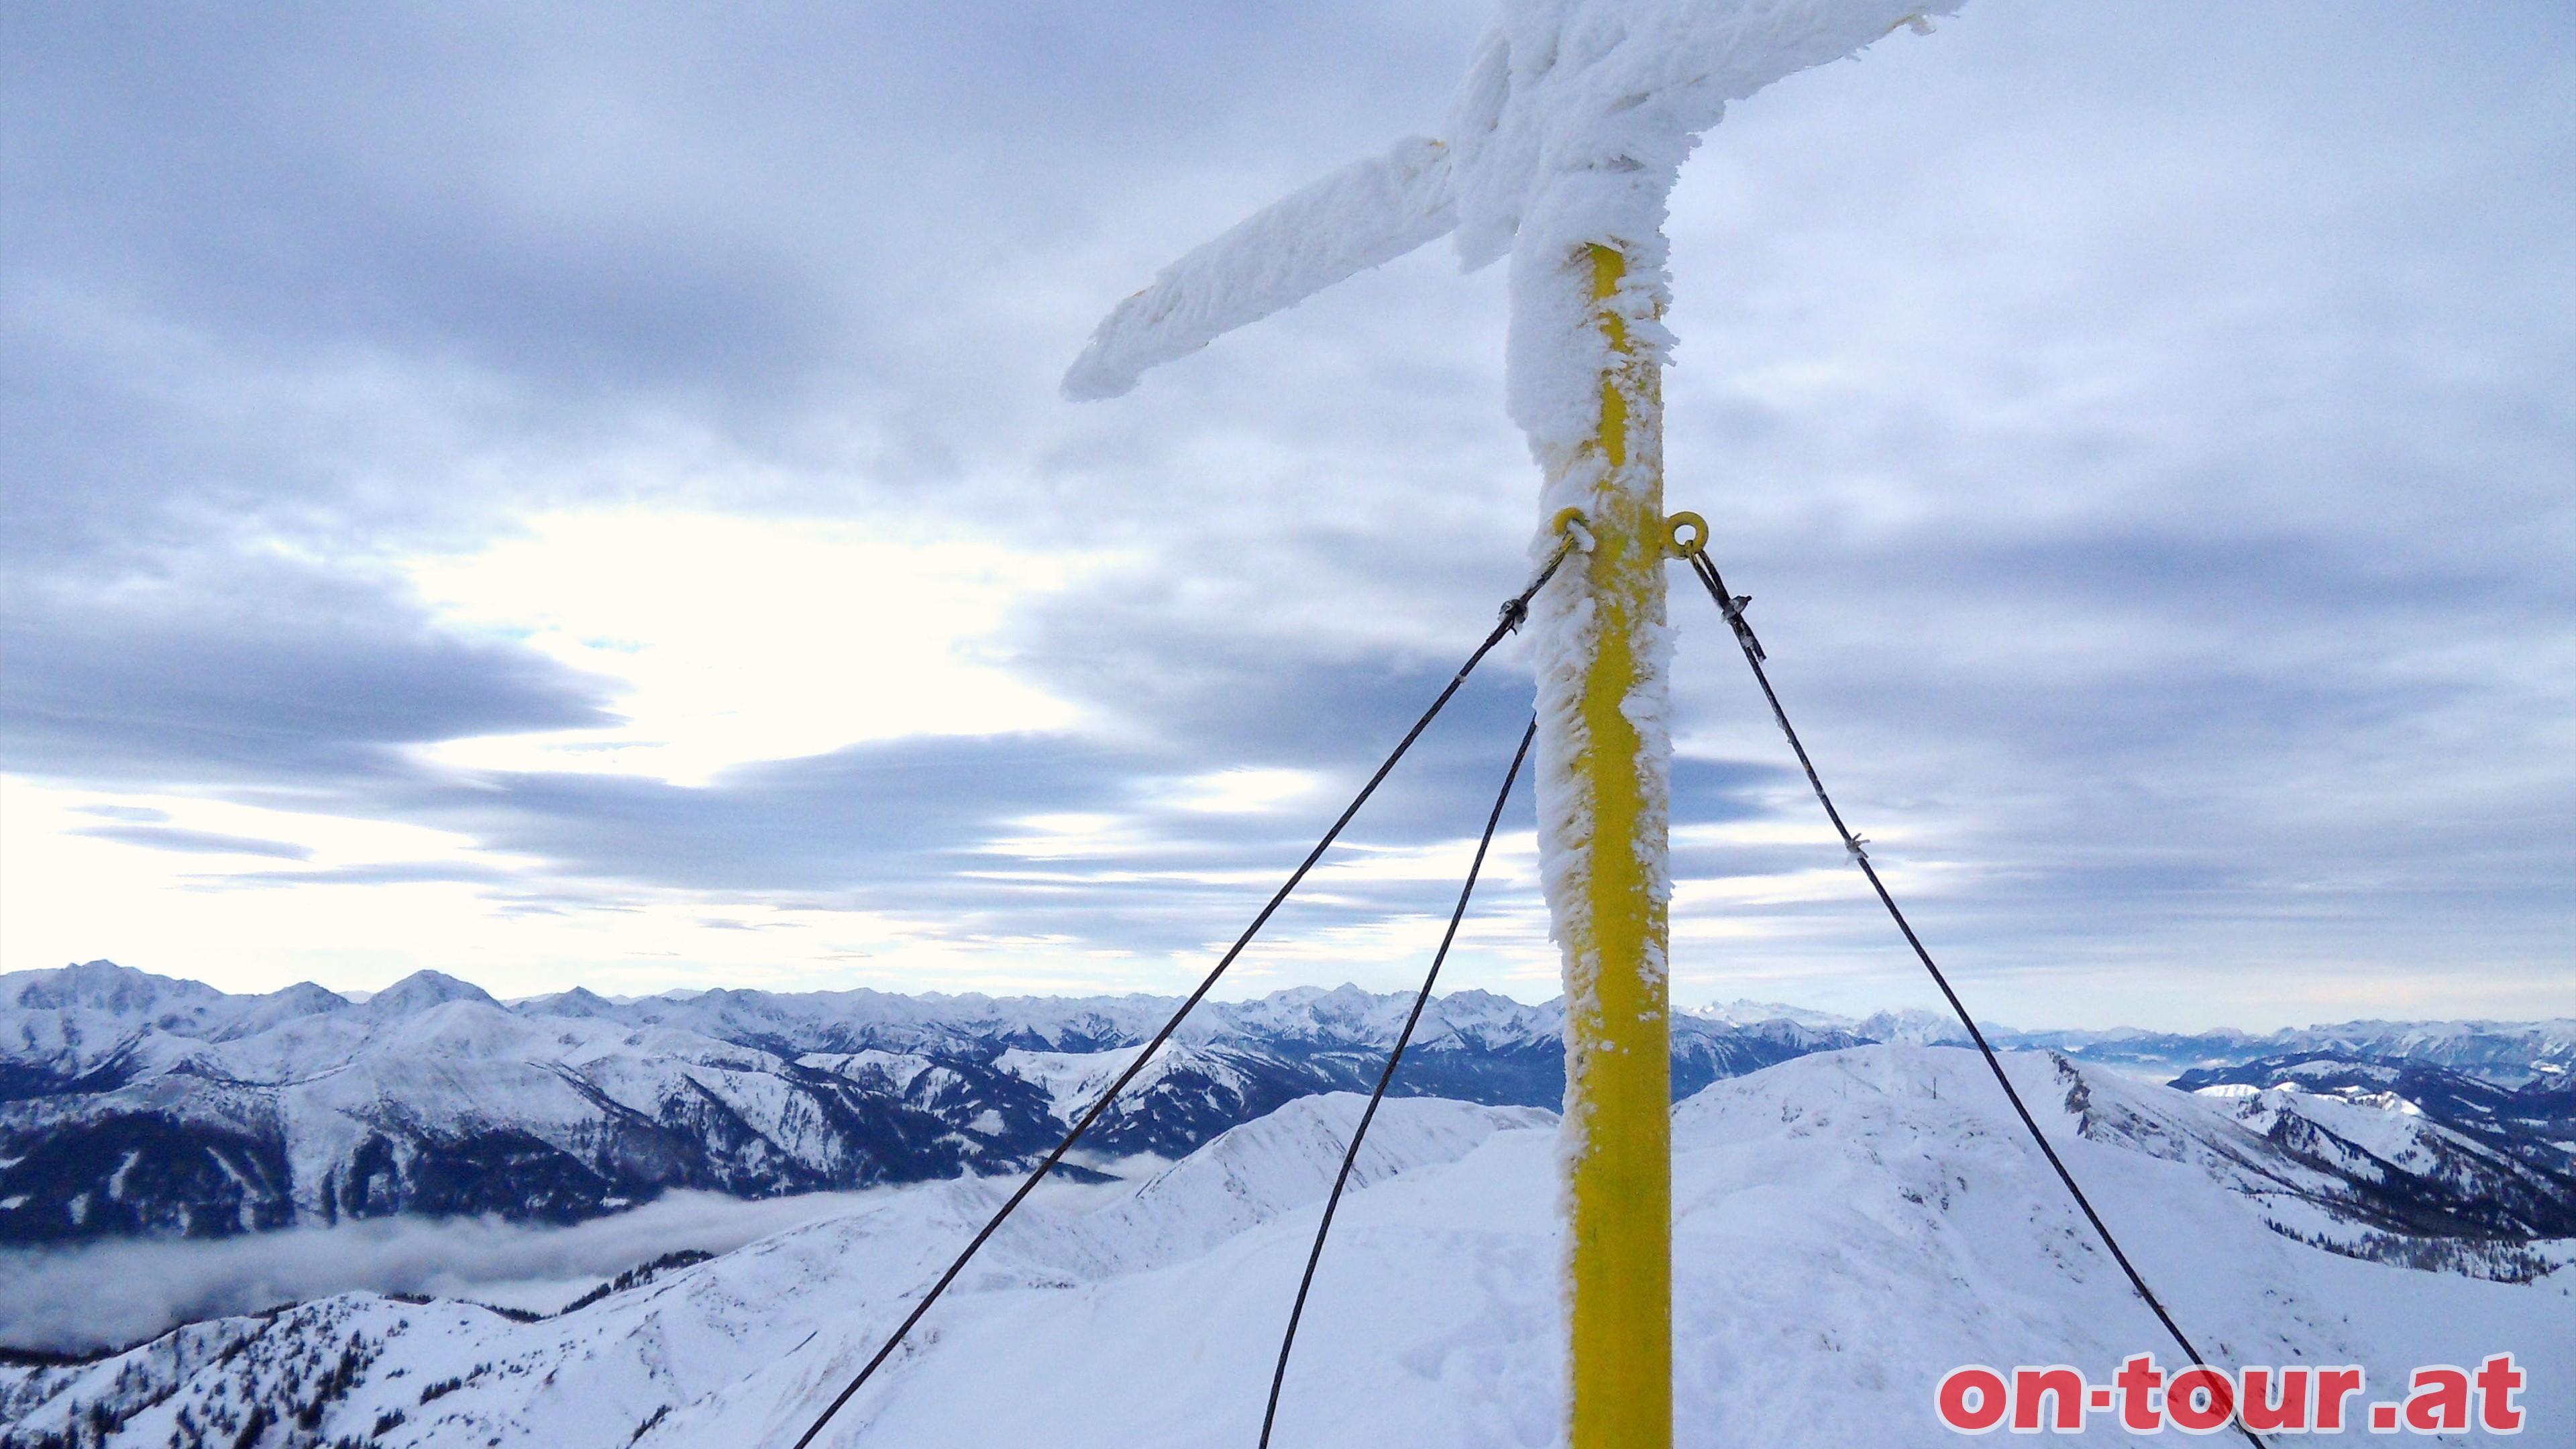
x,y
1848,1226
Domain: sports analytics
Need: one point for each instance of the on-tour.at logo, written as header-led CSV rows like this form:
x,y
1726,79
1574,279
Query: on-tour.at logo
x,y
2311,1399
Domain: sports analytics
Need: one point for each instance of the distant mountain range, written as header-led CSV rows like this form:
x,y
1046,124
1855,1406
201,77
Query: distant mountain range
x,y
1847,1226
139,1104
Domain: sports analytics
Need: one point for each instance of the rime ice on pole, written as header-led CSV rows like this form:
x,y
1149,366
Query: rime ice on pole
x,y
1562,147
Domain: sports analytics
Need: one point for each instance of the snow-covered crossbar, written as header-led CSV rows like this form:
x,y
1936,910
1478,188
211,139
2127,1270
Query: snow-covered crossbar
x,y
1569,128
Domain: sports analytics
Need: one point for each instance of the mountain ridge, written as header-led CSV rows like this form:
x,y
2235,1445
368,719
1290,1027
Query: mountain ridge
x,y
1847,1226
135,1104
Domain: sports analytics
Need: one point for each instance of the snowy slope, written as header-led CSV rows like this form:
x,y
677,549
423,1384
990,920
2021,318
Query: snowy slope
x,y
1848,1225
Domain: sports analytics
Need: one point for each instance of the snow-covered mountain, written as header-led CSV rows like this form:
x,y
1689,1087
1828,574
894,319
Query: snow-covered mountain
x,y
2505,1053
133,1103
1848,1225
2535,1122
139,1104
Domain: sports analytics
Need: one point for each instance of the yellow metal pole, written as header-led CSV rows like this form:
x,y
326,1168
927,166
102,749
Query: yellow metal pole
x,y
1618,1035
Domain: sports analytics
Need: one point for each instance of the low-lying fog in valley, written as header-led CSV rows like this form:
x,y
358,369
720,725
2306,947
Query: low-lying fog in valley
x,y
96,1295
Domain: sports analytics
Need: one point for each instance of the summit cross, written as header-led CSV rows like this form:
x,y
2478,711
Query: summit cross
x,y
1560,152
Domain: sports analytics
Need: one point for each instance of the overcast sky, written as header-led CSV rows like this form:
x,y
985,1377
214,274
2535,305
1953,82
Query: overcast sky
x,y
578,495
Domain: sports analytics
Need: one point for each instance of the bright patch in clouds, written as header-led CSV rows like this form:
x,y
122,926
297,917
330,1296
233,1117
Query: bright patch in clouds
x,y
730,641
1243,792
736,640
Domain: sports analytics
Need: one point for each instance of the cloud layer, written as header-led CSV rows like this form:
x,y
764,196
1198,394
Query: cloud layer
x,y
2144,436
73,1300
